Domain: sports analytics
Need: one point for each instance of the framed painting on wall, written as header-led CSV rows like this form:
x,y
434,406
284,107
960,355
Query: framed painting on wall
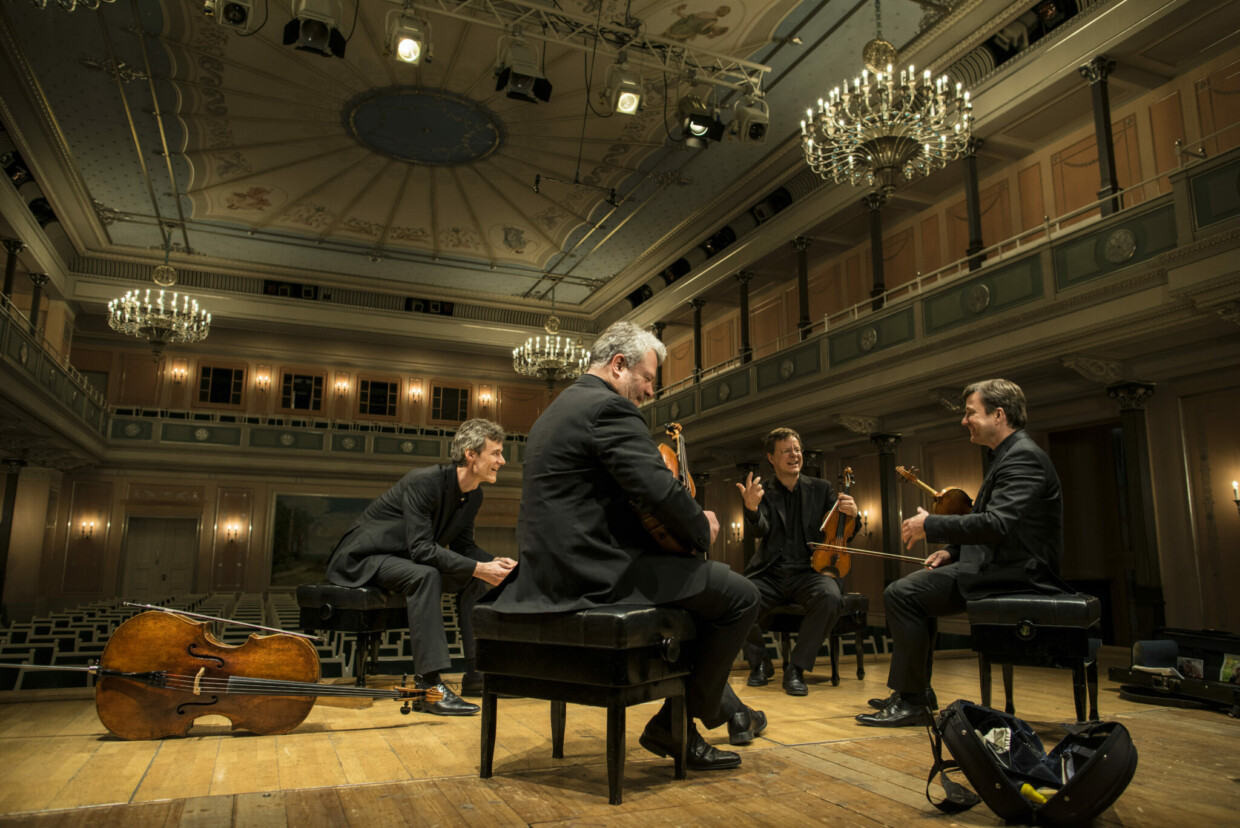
x,y
304,530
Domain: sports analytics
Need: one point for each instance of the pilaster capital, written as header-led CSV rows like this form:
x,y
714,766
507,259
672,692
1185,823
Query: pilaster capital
x,y
859,423
802,243
744,276
1131,395
886,442
13,246
1097,70
39,279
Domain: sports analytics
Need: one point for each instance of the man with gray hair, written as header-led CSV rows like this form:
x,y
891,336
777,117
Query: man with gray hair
x,y
590,465
418,539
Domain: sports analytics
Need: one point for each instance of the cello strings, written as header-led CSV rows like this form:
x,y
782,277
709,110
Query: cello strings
x,y
278,687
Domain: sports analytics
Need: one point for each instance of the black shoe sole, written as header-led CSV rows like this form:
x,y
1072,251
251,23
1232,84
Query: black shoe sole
x,y
658,750
797,691
431,709
753,682
907,721
742,738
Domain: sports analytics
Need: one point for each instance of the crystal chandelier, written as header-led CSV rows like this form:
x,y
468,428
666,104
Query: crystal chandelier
x,y
552,357
879,129
158,319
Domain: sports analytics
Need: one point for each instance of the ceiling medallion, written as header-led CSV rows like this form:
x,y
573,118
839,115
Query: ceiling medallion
x,y
431,127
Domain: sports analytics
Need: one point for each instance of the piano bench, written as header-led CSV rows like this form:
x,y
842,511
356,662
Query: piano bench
x,y
1039,631
610,657
367,612
786,620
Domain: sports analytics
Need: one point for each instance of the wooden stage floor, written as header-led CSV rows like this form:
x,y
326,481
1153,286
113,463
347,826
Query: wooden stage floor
x,y
342,767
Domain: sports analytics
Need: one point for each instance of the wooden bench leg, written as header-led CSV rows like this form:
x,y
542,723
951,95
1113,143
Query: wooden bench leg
x,y
1079,681
362,657
859,643
1091,680
680,734
1009,706
983,674
615,751
559,711
488,734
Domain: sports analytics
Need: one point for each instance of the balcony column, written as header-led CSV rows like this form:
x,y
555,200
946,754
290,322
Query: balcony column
x,y
697,305
973,205
1146,607
888,501
802,243
658,328
746,352
874,203
12,476
36,299
1096,72
12,247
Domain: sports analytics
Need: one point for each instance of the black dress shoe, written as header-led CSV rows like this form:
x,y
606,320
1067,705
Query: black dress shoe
x,y
746,726
450,705
794,682
897,714
879,704
471,684
758,677
701,756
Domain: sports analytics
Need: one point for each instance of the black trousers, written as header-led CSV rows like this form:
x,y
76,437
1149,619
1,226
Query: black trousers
x,y
423,587
913,605
724,612
823,601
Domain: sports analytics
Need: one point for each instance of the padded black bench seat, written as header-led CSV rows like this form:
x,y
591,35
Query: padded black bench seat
x,y
365,611
787,619
610,657
1039,631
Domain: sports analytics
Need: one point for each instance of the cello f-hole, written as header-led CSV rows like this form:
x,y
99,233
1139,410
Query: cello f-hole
x,y
181,707
193,650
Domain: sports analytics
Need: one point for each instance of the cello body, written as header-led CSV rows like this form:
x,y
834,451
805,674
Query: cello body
x,y
161,643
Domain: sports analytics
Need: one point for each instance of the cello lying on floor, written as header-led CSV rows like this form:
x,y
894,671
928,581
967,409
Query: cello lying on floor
x,y
160,671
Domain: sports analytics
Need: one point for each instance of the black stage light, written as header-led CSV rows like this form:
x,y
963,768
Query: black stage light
x,y
313,28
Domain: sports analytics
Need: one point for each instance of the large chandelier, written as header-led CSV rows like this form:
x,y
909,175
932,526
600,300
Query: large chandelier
x,y
158,318
552,357
879,130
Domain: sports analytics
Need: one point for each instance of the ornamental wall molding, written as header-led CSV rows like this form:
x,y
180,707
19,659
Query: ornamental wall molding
x,y
1104,371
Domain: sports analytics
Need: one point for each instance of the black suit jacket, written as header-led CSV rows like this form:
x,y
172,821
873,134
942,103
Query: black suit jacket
x,y
588,458
413,519
1012,541
771,524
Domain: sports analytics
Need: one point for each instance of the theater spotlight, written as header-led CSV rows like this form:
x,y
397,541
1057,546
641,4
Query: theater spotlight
x,y
516,70
313,28
235,14
623,92
750,118
407,38
699,122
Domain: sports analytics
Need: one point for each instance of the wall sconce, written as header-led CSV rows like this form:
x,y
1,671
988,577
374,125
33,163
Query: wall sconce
x,y
736,533
262,377
179,372
865,520
1235,493
342,384
484,396
232,531
88,529
415,390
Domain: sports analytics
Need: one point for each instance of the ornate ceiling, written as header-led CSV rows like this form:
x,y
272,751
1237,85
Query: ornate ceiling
x,y
421,180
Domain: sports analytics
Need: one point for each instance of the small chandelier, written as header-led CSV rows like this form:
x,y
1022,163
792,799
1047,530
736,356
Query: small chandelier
x,y
552,357
880,129
156,318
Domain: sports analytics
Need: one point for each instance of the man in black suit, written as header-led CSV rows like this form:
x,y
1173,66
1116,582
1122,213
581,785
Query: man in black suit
x,y
787,517
1011,542
418,539
590,465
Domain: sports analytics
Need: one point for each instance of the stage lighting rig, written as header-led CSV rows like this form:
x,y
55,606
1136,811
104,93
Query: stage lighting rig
x,y
408,38
314,28
623,91
516,70
699,122
751,118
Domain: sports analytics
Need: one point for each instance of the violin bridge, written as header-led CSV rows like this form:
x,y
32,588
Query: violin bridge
x,y
198,681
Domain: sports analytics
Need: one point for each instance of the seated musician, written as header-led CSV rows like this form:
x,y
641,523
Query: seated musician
x,y
588,460
1011,542
787,517
418,539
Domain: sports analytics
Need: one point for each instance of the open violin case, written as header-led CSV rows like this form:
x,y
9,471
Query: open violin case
x,y
1184,668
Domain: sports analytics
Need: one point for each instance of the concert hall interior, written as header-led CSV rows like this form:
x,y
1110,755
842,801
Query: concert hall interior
x,y
384,247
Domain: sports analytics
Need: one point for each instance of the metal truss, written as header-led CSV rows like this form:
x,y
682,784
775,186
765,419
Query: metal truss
x,y
542,22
